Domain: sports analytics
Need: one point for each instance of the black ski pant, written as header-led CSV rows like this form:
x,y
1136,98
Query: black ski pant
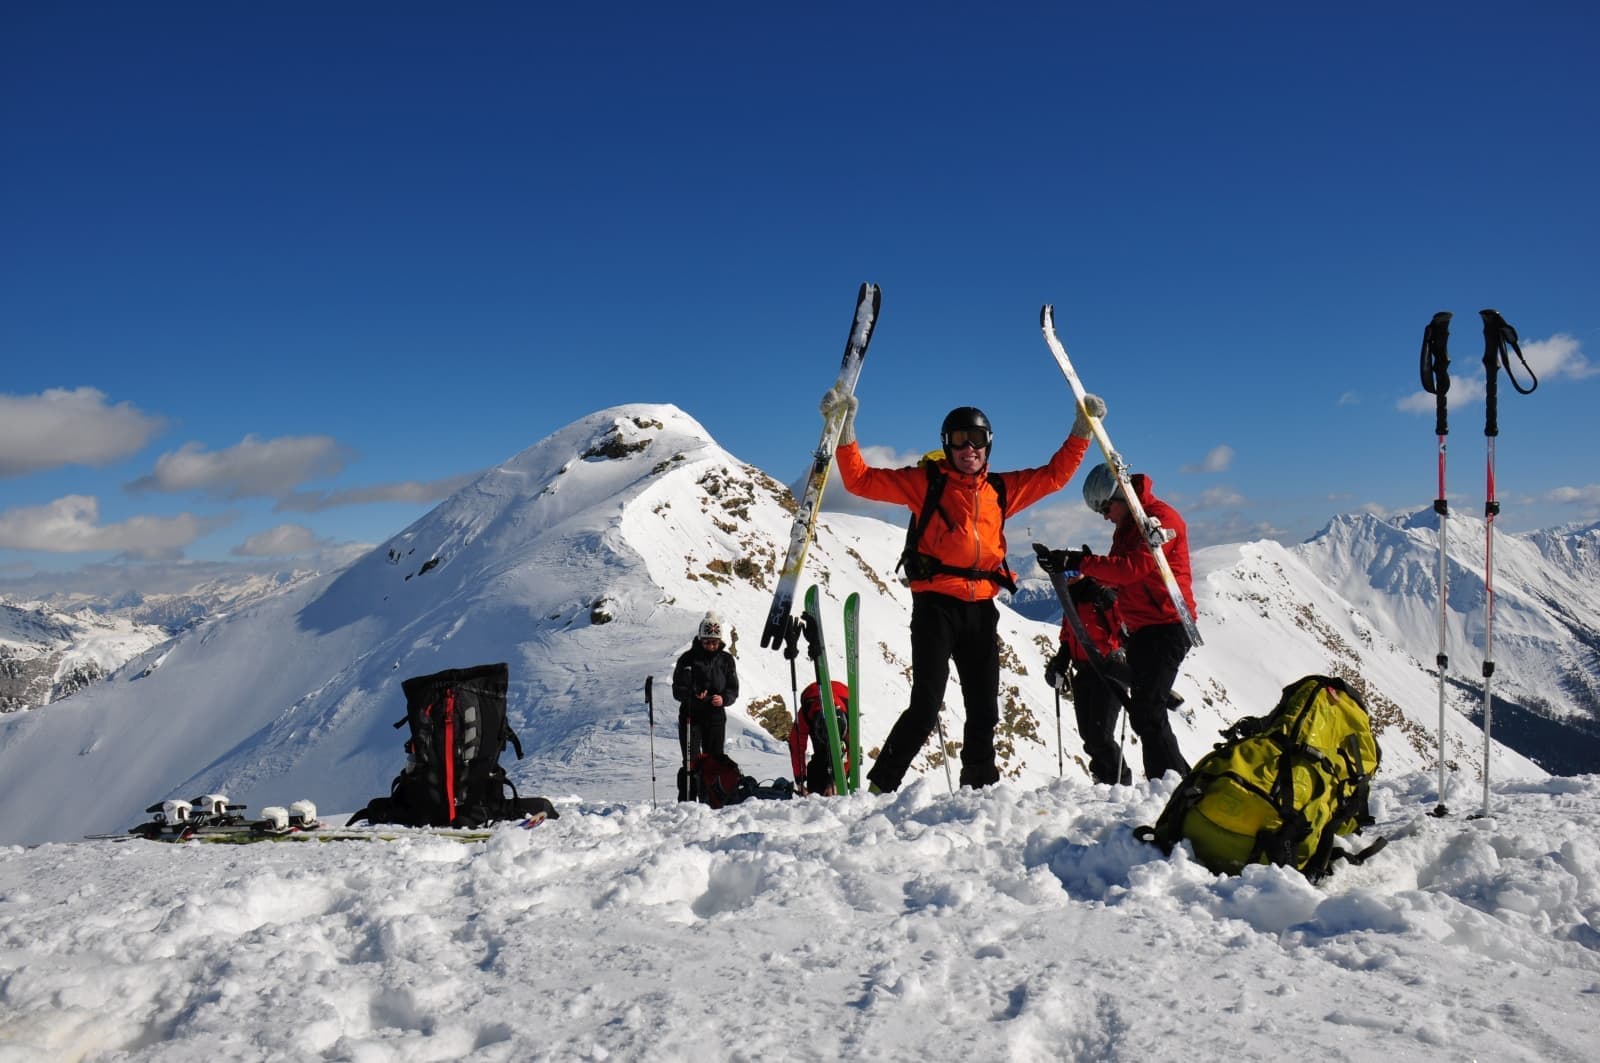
x,y
945,629
701,729
1154,655
1096,705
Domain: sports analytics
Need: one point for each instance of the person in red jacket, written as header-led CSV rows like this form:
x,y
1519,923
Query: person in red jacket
x,y
1156,642
956,568
817,778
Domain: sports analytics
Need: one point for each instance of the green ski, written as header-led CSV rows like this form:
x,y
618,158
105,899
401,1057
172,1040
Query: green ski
x,y
852,667
819,658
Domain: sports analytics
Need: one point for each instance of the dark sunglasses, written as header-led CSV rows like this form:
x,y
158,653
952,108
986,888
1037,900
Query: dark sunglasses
x,y
962,438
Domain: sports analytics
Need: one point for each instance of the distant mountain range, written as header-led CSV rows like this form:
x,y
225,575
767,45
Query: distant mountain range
x,y
51,648
586,561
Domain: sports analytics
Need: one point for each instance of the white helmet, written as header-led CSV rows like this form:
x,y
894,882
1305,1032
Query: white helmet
x,y
1100,488
710,626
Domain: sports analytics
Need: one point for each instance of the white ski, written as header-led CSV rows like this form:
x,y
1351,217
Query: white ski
x,y
1152,531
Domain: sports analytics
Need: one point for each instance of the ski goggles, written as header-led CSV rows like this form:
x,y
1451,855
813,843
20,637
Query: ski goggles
x,y
962,438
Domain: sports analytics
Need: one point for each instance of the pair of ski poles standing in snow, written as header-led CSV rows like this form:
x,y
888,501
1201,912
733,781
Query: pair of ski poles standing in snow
x,y
1500,339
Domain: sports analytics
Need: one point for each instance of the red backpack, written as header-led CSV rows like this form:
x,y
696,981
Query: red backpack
x,y
718,780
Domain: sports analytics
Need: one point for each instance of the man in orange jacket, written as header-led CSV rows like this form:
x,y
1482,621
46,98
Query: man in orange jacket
x,y
956,568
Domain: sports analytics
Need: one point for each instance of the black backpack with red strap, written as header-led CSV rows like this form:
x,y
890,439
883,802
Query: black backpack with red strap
x,y
453,776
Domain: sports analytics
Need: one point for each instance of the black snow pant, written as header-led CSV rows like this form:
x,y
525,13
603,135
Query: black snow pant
x,y
945,629
1096,706
1154,655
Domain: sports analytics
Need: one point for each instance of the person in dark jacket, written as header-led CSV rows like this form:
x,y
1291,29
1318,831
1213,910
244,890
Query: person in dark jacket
x,y
1097,676
704,683
1157,642
817,778
960,566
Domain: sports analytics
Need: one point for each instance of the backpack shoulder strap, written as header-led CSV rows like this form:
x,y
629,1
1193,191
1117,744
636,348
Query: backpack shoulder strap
x,y
930,505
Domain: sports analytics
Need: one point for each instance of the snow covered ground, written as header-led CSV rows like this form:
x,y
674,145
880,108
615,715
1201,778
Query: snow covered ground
x,y
1018,923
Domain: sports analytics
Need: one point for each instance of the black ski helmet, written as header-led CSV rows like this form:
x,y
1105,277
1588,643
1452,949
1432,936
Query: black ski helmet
x,y
963,417
1100,487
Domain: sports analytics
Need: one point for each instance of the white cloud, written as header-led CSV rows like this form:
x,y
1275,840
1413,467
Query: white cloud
x,y
71,525
1583,496
1235,528
404,491
285,540
62,427
1220,498
1057,524
889,458
1557,356
1218,459
253,468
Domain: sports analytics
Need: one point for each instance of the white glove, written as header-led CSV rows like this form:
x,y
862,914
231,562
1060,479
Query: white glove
x,y
832,402
1092,405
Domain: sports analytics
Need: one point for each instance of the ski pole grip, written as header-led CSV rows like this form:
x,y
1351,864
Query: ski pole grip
x,y
1436,368
1492,325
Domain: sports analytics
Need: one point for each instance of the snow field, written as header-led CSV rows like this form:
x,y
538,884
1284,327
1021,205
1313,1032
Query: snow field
x,y
1008,923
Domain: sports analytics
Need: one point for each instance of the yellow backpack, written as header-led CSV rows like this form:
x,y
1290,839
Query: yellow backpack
x,y
1279,788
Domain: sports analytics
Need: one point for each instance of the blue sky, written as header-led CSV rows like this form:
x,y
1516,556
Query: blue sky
x,y
275,279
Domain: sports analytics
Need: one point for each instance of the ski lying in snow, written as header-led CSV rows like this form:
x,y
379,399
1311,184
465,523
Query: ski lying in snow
x,y
359,834
177,820
212,818
1152,530
805,517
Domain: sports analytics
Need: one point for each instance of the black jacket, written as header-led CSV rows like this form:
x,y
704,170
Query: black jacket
x,y
712,671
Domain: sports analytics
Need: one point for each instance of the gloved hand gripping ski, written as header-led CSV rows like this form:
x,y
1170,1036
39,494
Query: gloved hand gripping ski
x,y
846,406
1092,406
